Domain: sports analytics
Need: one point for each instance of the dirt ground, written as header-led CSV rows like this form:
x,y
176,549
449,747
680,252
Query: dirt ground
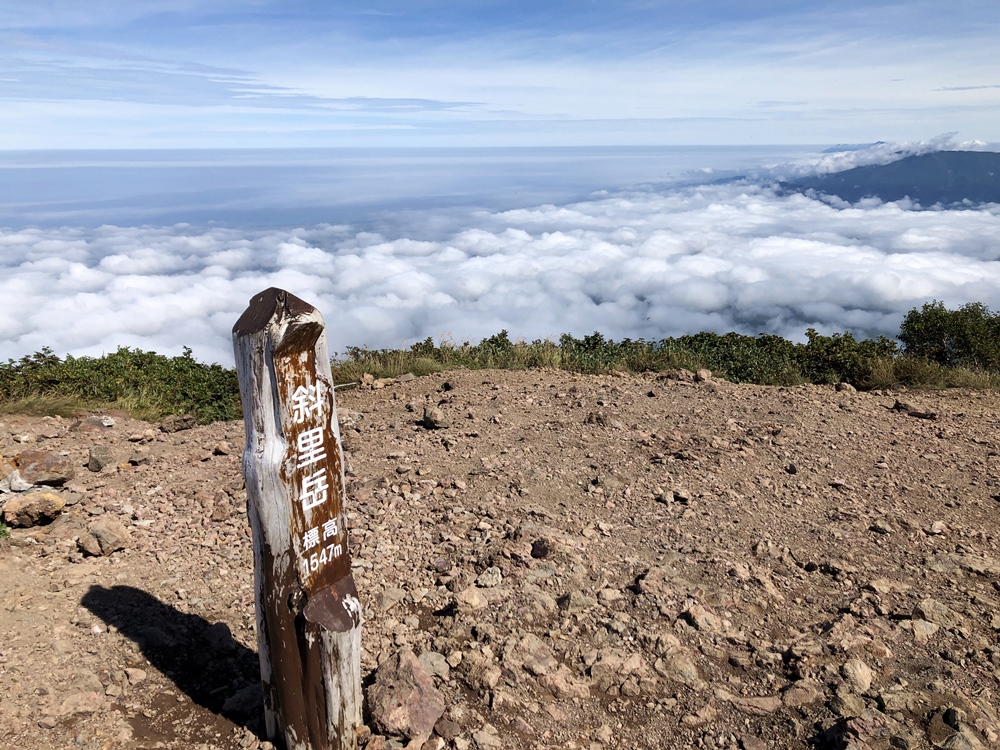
x,y
585,562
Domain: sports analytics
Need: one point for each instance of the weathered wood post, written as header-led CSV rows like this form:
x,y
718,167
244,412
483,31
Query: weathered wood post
x,y
308,614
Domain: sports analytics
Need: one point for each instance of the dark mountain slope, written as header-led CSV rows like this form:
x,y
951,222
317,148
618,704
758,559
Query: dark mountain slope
x,y
944,177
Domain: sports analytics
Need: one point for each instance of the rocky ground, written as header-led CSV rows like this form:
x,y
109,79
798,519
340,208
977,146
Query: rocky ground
x,y
577,562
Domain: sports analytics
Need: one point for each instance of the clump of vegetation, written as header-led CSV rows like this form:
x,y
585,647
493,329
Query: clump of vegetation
x,y
968,337
4,531
146,384
941,348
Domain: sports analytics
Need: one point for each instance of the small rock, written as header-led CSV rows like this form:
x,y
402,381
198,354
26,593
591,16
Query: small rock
x,y
564,685
934,611
702,376
702,619
923,630
858,675
100,456
705,715
679,667
435,419
489,578
801,693
532,654
403,700
178,422
86,702
540,548
845,388
435,664
140,458
11,481
846,704
891,701
389,598
471,598
487,738
135,675
658,582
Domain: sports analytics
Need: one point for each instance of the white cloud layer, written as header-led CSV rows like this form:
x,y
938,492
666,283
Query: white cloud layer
x,y
645,263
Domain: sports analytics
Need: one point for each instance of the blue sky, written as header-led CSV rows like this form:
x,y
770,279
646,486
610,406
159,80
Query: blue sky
x,y
257,73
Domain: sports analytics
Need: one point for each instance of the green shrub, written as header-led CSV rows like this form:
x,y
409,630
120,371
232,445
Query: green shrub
x,y
764,359
941,348
967,337
140,382
842,358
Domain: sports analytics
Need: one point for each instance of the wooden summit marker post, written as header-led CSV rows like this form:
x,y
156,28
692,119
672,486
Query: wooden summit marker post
x,y
308,614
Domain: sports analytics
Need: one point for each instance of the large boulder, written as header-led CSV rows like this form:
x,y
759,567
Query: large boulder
x,y
105,535
403,700
178,422
33,508
45,467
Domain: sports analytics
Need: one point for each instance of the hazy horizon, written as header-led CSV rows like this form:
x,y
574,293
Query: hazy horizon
x,y
462,244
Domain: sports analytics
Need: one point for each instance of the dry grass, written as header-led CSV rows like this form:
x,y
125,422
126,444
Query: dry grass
x,y
915,372
47,406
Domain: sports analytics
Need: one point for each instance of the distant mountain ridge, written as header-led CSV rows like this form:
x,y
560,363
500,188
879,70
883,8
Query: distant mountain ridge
x,y
945,177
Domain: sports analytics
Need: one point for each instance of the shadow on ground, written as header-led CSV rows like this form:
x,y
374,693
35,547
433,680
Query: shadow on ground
x,y
202,658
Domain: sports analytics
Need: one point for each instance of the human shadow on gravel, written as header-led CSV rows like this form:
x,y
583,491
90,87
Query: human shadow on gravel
x,y
203,659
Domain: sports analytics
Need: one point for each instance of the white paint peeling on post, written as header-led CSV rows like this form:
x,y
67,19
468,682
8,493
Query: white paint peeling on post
x,y
308,614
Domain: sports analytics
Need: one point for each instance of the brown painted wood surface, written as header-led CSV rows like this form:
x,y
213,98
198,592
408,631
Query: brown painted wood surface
x,y
308,614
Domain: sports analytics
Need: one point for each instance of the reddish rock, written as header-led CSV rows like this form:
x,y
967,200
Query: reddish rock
x,y
403,700
45,467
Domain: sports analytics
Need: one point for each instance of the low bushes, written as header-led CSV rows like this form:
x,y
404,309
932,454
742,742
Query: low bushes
x,y
940,348
143,383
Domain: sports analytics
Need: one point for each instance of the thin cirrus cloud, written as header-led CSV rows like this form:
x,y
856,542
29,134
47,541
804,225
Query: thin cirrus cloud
x,y
153,82
648,262
437,72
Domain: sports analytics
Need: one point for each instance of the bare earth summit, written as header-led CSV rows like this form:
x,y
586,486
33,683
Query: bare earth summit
x,y
581,561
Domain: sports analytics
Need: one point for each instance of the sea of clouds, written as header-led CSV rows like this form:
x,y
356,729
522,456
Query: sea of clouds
x,y
651,261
